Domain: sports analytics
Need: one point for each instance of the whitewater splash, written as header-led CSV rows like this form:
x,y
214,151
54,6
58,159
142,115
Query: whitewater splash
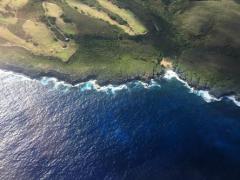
x,y
92,85
112,89
170,74
10,76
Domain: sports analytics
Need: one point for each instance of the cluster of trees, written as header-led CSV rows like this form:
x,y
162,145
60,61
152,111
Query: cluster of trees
x,y
51,23
66,19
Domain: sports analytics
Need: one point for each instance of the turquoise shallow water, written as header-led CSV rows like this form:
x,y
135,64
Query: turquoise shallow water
x,y
51,130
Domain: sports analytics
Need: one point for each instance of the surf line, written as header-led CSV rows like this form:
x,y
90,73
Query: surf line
x,y
92,85
170,74
56,84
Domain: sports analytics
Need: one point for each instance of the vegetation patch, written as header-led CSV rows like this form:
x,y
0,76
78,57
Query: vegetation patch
x,y
134,28
46,43
55,12
122,39
137,27
7,20
11,5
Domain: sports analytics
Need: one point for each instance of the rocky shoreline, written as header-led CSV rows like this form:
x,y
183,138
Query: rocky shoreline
x,y
73,80
215,91
218,93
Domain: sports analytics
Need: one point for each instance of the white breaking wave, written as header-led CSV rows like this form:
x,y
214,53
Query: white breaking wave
x,y
170,74
234,100
11,76
92,85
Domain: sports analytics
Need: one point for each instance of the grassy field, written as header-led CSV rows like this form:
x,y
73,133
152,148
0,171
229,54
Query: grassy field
x,y
35,36
133,29
12,5
114,63
7,20
213,31
136,26
43,39
119,39
32,42
53,10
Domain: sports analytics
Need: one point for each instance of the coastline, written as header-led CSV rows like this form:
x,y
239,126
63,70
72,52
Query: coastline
x,y
204,93
75,80
146,82
214,91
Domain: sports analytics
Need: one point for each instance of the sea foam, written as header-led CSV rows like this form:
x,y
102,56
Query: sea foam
x,y
12,76
234,100
93,85
170,74
112,89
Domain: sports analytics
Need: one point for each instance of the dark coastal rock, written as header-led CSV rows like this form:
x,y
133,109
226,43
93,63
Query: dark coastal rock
x,y
196,83
238,97
218,92
75,79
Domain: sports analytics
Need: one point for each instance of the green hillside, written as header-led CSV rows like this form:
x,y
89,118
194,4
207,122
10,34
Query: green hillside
x,y
116,40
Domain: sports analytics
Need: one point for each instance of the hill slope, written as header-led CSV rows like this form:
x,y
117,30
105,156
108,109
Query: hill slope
x,y
118,40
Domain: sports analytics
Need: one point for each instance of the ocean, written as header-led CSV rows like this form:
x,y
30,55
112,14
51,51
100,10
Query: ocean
x,y
161,130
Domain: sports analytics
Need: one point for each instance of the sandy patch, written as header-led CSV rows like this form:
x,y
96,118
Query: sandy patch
x,y
167,63
98,14
137,27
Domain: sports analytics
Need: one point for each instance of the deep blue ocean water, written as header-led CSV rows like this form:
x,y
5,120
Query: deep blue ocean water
x,y
160,131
